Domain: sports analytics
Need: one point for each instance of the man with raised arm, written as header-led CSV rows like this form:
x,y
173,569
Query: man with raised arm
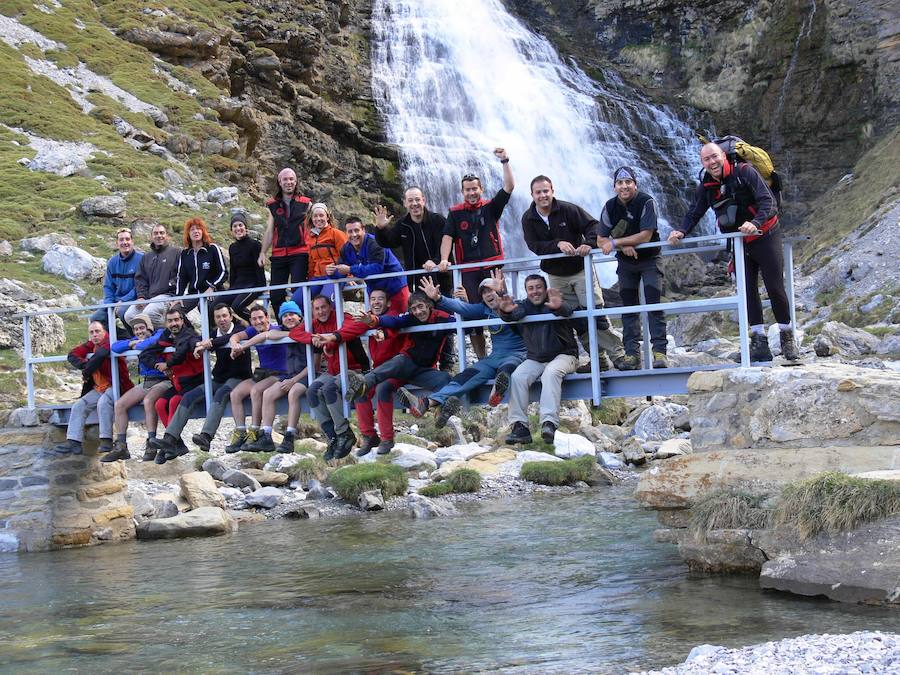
x,y
628,220
552,354
552,226
473,234
743,203
507,352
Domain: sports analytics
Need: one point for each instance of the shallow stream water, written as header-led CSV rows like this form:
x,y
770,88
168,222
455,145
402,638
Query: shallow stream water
x,y
539,584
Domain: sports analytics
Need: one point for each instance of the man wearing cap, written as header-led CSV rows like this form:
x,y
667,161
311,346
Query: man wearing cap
x,y
286,234
473,233
627,220
154,281
552,226
118,283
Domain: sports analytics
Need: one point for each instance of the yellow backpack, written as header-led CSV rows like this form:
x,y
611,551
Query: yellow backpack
x,y
739,150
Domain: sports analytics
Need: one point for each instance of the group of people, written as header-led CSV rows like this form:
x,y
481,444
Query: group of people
x,y
383,360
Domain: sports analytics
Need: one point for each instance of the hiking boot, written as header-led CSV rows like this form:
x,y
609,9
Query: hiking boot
x,y
788,346
160,457
68,447
417,405
332,446
177,451
501,385
263,443
369,443
149,452
628,362
167,442
451,407
287,443
548,431
356,386
345,444
119,451
385,446
759,348
660,360
603,363
105,445
519,433
202,440
238,440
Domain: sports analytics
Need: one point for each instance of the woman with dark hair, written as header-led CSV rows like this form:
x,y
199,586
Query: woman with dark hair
x,y
244,270
325,242
201,266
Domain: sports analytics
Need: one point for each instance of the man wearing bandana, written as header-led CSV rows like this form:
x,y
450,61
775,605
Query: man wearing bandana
x,y
629,219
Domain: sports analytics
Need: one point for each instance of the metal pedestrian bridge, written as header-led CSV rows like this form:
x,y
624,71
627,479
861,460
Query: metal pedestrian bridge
x,y
593,386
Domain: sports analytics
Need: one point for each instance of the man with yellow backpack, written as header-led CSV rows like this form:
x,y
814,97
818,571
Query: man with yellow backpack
x,y
743,202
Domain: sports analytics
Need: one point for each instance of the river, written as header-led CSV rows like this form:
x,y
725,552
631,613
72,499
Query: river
x,y
537,584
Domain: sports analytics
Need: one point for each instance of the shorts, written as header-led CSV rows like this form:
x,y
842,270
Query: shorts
x,y
150,382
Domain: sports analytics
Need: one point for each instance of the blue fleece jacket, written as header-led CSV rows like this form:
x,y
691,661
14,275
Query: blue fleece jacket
x,y
145,365
505,339
373,259
118,284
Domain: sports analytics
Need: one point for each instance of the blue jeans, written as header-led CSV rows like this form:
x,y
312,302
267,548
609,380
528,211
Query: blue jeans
x,y
478,374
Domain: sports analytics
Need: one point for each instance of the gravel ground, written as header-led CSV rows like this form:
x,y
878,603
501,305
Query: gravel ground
x,y
861,652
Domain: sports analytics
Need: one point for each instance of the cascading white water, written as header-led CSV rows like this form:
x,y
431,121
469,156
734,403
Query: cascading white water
x,y
455,78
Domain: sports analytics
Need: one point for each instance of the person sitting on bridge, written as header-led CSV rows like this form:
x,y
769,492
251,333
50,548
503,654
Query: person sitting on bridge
x,y
324,394
418,358
184,368
362,257
272,367
92,358
628,220
227,373
292,383
552,354
118,283
145,341
507,351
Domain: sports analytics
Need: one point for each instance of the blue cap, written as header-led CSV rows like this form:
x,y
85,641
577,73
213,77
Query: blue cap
x,y
287,307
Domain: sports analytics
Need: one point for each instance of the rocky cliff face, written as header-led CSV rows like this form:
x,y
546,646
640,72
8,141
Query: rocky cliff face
x,y
813,80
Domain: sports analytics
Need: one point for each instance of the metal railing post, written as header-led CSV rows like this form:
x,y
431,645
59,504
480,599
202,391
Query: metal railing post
x,y
113,365
593,347
204,334
29,366
646,351
307,322
342,347
460,331
789,281
741,282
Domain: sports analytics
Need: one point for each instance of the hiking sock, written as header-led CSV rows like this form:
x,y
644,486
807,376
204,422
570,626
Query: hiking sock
x,y
759,329
266,430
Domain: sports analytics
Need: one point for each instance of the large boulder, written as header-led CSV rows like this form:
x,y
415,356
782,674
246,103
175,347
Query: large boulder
x,y
72,263
108,206
44,242
572,445
847,340
199,489
420,506
266,498
658,421
238,479
412,456
371,500
47,331
202,522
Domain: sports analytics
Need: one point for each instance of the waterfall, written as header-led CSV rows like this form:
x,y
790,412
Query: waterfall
x,y
456,78
778,115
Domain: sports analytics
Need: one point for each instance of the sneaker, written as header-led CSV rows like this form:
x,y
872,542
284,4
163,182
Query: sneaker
x,y
385,446
68,447
332,446
344,445
105,445
628,362
788,346
548,431
202,440
759,348
119,451
149,453
356,386
238,440
451,407
519,433
501,385
416,404
287,443
263,443
660,360
369,443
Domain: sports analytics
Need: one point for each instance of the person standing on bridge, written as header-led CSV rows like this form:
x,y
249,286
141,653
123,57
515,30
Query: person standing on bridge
x,y
628,220
473,233
118,283
154,281
552,226
743,203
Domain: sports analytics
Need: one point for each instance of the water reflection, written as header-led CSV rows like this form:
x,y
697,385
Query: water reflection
x,y
540,584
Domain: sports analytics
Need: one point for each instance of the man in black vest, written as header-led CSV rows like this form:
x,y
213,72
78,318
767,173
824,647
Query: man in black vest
x,y
550,226
629,219
286,235
743,203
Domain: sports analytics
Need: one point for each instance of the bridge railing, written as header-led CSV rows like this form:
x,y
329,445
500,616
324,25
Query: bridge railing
x,y
512,270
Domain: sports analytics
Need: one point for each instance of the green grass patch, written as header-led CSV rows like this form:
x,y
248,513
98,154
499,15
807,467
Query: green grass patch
x,y
610,411
464,480
835,502
351,481
729,509
200,456
436,489
566,472
255,460
308,469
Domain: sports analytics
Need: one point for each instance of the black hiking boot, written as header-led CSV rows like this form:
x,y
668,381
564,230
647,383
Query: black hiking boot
x,y
345,444
501,385
759,348
68,447
263,443
202,441
519,433
660,360
369,443
417,405
332,446
119,451
548,431
788,346
356,386
149,452
628,362
238,441
385,446
451,407
286,446
105,446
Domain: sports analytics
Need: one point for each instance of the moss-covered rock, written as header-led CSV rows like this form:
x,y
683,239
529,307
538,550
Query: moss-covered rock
x,y
351,481
566,472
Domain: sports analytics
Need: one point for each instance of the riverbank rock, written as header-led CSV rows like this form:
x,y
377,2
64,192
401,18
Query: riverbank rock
x,y
202,522
513,467
674,447
488,463
411,456
858,566
199,489
240,479
215,468
658,422
268,478
844,339
572,445
372,500
458,453
316,491
803,406
266,497
72,263
106,206
420,506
